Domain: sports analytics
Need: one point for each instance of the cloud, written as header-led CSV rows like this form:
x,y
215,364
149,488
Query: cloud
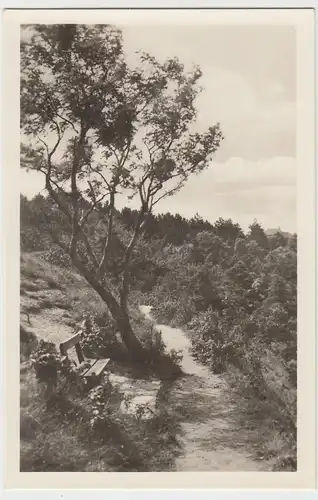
x,y
249,80
254,126
31,183
241,190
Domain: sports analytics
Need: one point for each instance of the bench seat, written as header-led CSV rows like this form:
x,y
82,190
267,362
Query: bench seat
x,y
97,368
92,368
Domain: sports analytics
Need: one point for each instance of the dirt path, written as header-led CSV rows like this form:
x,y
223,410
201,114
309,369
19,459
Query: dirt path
x,y
212,435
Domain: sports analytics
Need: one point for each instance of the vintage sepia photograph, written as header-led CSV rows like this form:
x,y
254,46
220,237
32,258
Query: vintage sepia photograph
x,y
158,247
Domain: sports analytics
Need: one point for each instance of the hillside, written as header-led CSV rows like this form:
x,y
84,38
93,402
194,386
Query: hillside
x,y
233,295
53,302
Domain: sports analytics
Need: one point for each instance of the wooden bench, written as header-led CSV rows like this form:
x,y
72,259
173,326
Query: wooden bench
x,y
92,368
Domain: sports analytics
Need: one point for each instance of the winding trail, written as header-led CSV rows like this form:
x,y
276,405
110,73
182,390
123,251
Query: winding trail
x,y
214,435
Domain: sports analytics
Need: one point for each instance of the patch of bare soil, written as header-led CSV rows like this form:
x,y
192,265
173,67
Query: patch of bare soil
x,y
212,438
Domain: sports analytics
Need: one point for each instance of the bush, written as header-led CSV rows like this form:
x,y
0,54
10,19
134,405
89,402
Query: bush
x,y
153,343
54,371
46,361
165,364
165,309
56,256
65,396
213,343
100,338
100,407
28,342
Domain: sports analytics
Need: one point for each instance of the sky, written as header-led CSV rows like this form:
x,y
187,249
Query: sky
x,y
249,81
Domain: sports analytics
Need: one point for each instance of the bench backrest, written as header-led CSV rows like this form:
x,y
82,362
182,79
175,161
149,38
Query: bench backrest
x,y
73,341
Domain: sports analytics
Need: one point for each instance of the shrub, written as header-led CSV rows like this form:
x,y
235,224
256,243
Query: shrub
x,y
53,370
165,364
154,343
45,361
55,255
28,342
100,405
100,339
214,342
176,357
166,309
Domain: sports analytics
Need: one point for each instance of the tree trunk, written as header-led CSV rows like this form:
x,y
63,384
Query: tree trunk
x,y
119,314
129,338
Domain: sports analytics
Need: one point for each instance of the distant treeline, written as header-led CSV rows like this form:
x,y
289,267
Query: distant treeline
x,y
169,228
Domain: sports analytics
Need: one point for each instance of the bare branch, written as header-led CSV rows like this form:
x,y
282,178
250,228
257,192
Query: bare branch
x,y
170,192
74,192
89,249
102,176
102,290
128,254
77,228
141,193
149,149
92,191
108,238
125,154
67,121
48,176
113,150
85,217
45,145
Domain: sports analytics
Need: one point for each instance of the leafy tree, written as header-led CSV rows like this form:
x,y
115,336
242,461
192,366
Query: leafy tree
x,y
197,224
277,240
258,234
33,238
228,229
95,127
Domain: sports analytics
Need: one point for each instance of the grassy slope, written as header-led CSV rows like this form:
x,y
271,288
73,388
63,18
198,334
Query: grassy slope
x,y
56,299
